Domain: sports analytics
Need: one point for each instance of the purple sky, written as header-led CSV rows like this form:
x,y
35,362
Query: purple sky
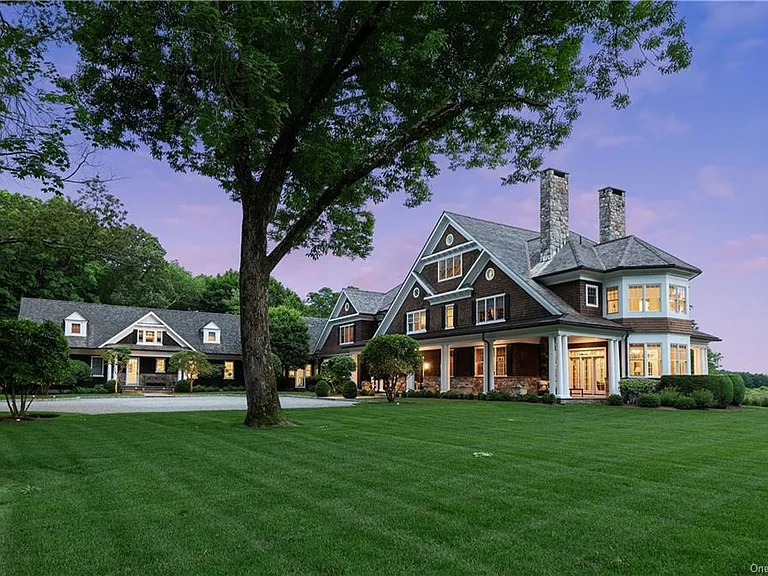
x,y
691,152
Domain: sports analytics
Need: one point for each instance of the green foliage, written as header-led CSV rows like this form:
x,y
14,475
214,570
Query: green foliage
x,y
119,355
79,373
289,336
182,386
31,355
322,389
714,361
648,400
277,366
337,369
112,387
739,389
311,382
320,304
684,403
703,398
754,380
391,358
349,389
499,396
756,397
530,397
548,398
719,384
616,400
193,365
668,396
631,388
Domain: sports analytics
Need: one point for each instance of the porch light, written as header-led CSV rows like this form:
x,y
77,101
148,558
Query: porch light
x,y
426,365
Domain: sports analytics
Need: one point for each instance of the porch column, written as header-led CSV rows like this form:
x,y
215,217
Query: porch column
x,y
445,368
114,370
613,367
179,376
552,365
490,366
410,382
704,360
563,375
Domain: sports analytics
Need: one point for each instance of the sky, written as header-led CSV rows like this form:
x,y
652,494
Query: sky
x,y
691,152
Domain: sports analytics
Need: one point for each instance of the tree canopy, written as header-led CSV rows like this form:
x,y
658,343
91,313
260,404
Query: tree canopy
x,y
391,358
320,304
290,336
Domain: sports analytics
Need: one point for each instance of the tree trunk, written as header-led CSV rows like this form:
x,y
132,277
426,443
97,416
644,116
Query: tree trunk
x,y
260,385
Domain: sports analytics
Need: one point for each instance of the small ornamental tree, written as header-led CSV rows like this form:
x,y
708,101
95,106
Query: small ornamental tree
x,y
391,358
119,356
192,363
79,372
31,355
337,370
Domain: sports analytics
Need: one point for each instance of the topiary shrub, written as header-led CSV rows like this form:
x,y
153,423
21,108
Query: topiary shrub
x,y
668,396
703,398
349,389
631,388
684,403
649,400
616,400
311,382
548,398
322,389
719,384
739,389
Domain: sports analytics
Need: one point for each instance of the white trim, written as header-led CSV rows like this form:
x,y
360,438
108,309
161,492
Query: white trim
x,y
158,336
102,366
618,300
329,324
410,314
449,239
458,294
75,318
423,284
462,248
495,320
211,327
342,327
143,320
597,295
453,316
474,271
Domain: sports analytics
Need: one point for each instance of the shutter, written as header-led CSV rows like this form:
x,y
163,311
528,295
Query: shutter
x,y
426,319
507,311
405,323
354,332
473,303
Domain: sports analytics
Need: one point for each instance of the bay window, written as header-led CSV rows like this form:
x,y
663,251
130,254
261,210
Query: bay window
x,y
449,268
645,360
645,298
612,300
678,358
678,299
490,309
416,322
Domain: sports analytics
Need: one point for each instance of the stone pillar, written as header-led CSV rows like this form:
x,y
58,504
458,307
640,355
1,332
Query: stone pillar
x,y
563,371
613,367
552,365
410,382
613,214
445,368
553,212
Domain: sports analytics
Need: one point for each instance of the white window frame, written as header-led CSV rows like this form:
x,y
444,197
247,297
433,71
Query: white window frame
x,y
480,363
444,277
680,361
618,300
496,349
100,374
672,303
342,329
229,370
69,322
644,299
216,336
596,290
157,364
141,336
410,321
484,301
659,346
453,316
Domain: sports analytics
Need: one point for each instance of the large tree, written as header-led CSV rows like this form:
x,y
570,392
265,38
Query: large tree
x,y
307,113
320,304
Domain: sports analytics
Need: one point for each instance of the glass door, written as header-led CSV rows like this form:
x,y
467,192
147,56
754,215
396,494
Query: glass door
x,y
132,372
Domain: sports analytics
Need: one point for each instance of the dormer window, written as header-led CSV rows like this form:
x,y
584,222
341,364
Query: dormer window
x,y
75,325
150,337
211,334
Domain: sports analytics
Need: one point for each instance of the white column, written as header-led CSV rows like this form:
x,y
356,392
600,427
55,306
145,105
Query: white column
x,y
563,372
613,367
179,376
704,360
552,365
624,347
410,382
114,370
445,368
491,355
487,368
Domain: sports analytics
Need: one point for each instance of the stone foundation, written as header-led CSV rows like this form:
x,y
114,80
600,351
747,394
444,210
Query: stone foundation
x,y
465,384
519,384
430,382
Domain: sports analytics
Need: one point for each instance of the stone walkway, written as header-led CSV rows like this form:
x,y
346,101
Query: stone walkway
x,y
125,404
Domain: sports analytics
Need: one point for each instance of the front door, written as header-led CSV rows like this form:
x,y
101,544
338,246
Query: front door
x,y
588,370
132,372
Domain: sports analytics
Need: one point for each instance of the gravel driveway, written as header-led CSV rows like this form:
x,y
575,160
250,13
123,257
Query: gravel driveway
x,y
122,404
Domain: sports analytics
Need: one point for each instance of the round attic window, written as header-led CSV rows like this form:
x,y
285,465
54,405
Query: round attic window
x,y
490,273
416,292
346,307
449,240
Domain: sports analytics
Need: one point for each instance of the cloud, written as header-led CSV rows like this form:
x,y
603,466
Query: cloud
x,y
724,18
201,209
749,264
663,126
711,181
747,243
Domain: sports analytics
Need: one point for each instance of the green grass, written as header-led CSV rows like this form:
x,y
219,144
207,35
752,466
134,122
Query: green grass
x,y
388,489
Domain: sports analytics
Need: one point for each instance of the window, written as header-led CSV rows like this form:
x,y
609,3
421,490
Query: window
x,y
160,365
636,361
678,358
75,327
449,240
448,268
592,297
347,334
678,299
416,322
229,370
612,300
500,360
212,336
645,298
653,359
416,292
346,306
479,361
490,309
97,366
698,359
645,360
490,274
154,337
449,320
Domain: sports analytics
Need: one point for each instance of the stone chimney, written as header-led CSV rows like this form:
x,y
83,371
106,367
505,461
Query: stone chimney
x,y
613,214
554,212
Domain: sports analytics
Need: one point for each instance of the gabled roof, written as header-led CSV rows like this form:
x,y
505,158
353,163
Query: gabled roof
x,y
388,298
315,326
364,301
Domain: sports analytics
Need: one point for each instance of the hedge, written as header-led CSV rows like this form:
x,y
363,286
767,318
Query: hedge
x,y
739,388
719,384
631,388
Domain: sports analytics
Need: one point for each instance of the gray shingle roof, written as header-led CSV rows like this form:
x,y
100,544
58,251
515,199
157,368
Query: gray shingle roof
x,y
388,298
316,326
369,302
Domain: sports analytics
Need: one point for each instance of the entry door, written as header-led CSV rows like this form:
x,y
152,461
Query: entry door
x,y
132,372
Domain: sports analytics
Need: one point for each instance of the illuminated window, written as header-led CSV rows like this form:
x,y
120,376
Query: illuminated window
x,y
229,370
75,328
416,322
160,365
612,300
678,358
593,300
347,334
653,359
448,268
154,337
490,309
678,299
500,360
75,325
636,361
479,361
645,298
645,360
449,319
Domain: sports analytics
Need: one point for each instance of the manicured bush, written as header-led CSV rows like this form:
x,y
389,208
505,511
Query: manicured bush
x,y
668,396
530,397
482,396
548,398
703,398
616,400
631,388
349,389
311,382
739,389
322,389
181,386
649,400
499,396
684,403
719,384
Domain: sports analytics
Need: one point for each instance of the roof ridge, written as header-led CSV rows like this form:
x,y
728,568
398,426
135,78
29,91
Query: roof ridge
x,y
143,309
492,222
576,257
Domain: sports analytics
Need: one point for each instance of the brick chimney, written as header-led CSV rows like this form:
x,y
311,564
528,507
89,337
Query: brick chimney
x,y
554,212
613,214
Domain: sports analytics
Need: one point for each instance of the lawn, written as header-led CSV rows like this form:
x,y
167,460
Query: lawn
x,y
388,489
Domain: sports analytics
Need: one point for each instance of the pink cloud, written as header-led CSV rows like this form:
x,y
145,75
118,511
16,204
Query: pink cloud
x,y
749,264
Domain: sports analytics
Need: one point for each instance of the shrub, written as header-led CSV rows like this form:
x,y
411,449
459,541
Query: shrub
x,y
616,400
99,389
719,384
756,397
703,398
684,403
548,398
322,389
649,400
499,396
482,396
739,389
428,393
530,397
113,386
181,386
668,396
632,388
469,396
451,395
349,389
365,392
311,382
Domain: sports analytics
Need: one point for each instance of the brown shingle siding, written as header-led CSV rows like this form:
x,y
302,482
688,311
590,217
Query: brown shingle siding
x,y
575,294
430,273
675,325
457,239
364,330
342,312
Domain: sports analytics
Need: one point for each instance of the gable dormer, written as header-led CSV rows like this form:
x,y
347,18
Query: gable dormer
x,y
211,333
75,325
